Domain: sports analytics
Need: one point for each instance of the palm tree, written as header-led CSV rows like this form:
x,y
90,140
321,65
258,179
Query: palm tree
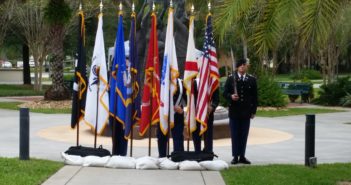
x,y
57,15
270,23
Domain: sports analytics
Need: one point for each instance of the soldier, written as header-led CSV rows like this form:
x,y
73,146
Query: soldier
x,y
208,135
179,100
241,91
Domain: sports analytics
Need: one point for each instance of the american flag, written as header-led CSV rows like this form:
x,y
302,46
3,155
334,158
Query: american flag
x,y
209,76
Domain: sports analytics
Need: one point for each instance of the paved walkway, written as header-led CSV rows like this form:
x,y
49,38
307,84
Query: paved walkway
x,y
333,144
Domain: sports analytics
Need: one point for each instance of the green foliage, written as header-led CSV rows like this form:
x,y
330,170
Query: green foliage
x,y
333,93
68,77
222,101
57,12
269,93
310,94
222,71
288,174
30,172
307,74
346,101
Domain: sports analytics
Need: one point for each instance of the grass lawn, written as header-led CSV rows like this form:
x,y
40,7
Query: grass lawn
x,y
293,111
288,174
14,106
19,90
31,172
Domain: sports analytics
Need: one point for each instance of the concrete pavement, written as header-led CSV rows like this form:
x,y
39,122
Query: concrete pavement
x,y
73,175
333,144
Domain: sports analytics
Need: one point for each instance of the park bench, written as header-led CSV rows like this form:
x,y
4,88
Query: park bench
x,y
294,90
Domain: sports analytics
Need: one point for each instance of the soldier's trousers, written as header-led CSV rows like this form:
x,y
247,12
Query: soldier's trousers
x,y
119,142
239,129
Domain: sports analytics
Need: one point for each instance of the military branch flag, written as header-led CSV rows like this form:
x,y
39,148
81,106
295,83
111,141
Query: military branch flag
x,y
190,73
98,86
112,83
209,76
124,84
134,109
169,78
80,77
151,99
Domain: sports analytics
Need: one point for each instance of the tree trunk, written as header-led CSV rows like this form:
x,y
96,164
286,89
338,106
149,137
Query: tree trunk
x,y
58,91
36,73
26,67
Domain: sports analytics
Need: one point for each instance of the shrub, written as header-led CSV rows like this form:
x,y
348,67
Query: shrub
x,y
332,94
310,94
222,71
346,101
269,93
307,73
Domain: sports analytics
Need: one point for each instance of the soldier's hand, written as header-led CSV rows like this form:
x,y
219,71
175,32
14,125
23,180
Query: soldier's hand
x,y
178,109
235,97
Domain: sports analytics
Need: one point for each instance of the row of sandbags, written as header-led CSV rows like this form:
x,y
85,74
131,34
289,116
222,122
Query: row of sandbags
x,y
142,163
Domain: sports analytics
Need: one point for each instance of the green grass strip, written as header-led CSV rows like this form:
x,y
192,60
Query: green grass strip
x,y
294,111
288,174
30,172
14,106
19,90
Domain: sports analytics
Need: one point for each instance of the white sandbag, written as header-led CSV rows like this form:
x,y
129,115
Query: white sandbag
x,y
166,164
95,161
72,159
121,162
145,163
215,165
190,165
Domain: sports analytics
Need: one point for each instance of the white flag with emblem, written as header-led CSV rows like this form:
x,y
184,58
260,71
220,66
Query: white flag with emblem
x,y
97,101
169,78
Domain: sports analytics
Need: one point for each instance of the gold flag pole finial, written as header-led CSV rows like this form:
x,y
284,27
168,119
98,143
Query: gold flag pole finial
x,y
80,6
133,7
171,4
120,7
192,9
101,6
153,6
209,6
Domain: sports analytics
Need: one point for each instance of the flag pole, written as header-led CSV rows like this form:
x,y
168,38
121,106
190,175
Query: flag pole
x,y
79,88
133,88
78,111
152,82
114,116
97,95
97,104
191,92
169,99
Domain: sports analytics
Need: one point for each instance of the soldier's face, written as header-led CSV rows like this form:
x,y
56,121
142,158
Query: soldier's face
x,y
242,68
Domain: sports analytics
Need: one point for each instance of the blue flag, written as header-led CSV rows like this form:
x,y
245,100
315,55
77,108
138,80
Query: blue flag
x,y
124,84
133,110
113,80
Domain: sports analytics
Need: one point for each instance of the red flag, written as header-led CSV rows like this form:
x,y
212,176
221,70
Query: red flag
x,y
151,99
